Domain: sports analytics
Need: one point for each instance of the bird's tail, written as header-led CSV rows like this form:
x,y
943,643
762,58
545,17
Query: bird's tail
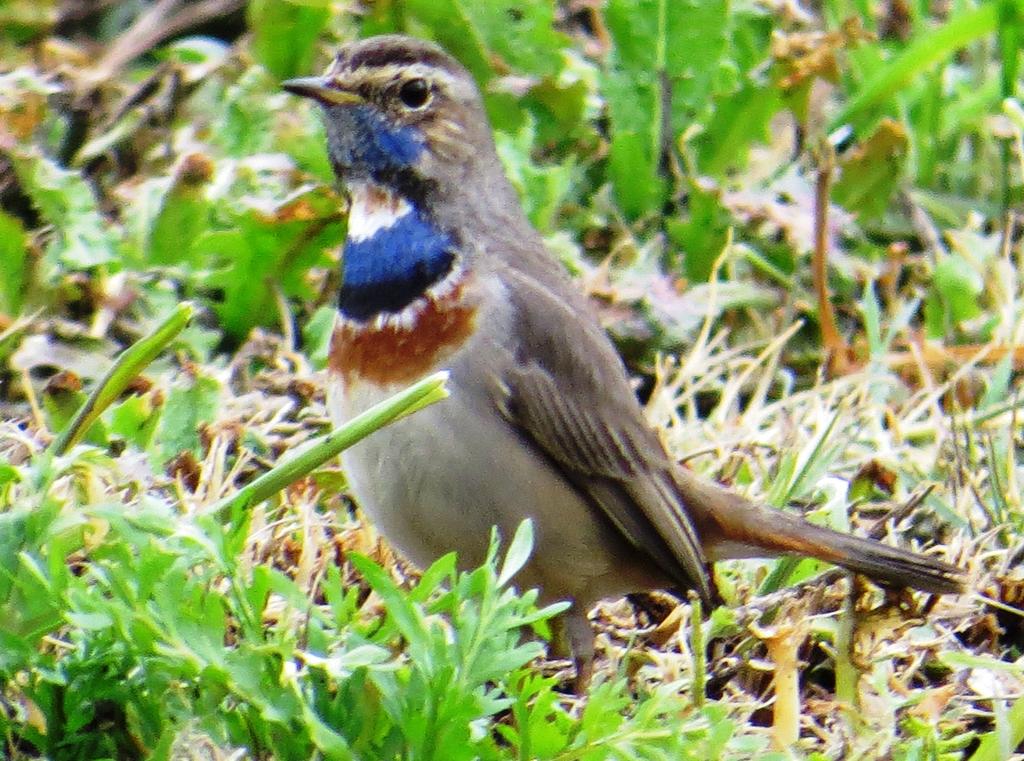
x,y
732,527
882,563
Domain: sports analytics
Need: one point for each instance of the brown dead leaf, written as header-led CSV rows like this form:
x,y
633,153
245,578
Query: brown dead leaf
x,y
195,169
882,477
186,468
933,704
805,55
299,210
669,627
20,120
58,54
229,431
63,382
888,139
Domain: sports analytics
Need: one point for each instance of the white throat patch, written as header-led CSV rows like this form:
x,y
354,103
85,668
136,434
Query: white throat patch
x,y
373,208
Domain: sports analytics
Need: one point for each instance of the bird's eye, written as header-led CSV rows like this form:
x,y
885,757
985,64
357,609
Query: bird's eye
x,y
415,93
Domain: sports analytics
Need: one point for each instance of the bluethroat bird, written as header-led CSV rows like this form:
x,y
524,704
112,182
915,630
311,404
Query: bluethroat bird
x,y
442,270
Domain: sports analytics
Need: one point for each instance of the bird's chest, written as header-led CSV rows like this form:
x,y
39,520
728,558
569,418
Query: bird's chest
x,y
377,358
419,477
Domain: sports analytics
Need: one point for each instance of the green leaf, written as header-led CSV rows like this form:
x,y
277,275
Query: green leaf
x,y
23,20
958,286
522,35
407,618
518,552
62,404
633,170
542,189
191,402
285,34
872,322
13,260
925,51
88,621
999,385
704,232
441,570
127,126
632,89
737,121
658,81
316,335
196,51
184,214
1008,735
275,247
406,402
959,660
330,743
871,172
135,420
14,533
85,238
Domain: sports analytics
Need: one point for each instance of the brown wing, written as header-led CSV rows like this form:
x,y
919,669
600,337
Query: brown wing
x,y
568,394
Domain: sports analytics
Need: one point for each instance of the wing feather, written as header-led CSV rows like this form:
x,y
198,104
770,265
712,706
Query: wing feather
x,y
567,392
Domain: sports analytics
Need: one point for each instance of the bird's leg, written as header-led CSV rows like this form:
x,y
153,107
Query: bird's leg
x,y
573,634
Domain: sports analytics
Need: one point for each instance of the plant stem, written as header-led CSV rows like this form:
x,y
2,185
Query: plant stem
x,y
425,392
124,370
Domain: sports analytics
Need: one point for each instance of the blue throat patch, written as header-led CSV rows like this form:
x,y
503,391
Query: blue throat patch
x,y
393,267
379,146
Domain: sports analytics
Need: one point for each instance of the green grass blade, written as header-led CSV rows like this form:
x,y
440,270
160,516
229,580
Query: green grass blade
x,y
999,743
926,51
1009,27
124,370
1009,35
782,571
427,391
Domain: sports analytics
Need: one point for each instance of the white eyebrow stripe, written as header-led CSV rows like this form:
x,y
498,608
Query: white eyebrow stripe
x,y
381,76
373,209
408,71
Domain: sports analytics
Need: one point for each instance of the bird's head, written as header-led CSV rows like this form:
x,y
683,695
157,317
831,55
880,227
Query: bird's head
x,y
399,112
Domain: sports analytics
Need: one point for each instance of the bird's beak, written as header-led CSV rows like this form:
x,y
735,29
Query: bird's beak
x,y
319,88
